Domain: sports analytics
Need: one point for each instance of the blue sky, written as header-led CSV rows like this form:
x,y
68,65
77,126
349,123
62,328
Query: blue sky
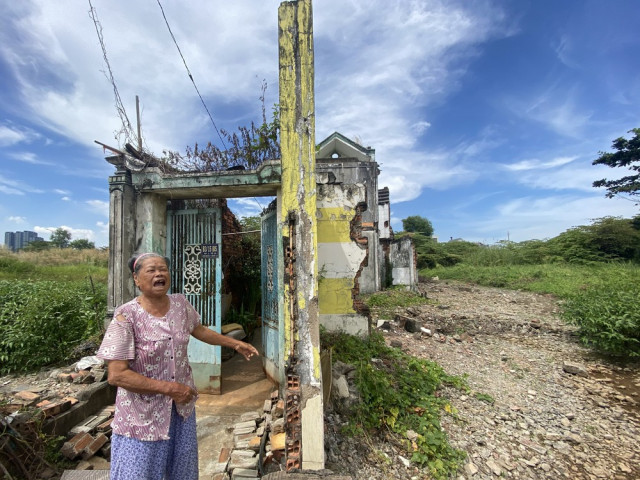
x,y
485,115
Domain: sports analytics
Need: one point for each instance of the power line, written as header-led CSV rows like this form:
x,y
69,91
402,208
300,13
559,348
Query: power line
x,y
191,76
127,129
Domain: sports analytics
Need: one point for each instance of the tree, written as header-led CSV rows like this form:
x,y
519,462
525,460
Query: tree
x,y
37,246
82,244
60,238
627,155
417,224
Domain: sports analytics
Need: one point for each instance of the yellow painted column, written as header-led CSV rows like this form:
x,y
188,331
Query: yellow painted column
x,y
305,435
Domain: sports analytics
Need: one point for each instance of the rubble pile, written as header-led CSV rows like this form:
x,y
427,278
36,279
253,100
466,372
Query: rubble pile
x,y
50,402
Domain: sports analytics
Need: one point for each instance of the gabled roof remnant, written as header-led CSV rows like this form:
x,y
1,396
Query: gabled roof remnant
x,y
339,145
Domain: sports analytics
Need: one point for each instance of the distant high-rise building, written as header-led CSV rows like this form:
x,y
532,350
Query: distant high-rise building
x,y
18,240
9,240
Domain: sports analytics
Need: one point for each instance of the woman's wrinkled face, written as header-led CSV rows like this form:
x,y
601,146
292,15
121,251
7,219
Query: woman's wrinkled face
x,y
153,277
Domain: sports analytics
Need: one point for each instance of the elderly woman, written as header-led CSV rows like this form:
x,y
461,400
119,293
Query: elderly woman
x,y
154,428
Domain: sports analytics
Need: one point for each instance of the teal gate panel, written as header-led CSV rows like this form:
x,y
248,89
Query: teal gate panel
x,y
194,247
272,331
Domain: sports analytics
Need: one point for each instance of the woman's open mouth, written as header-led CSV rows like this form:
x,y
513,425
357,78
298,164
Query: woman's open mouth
x,y
161,282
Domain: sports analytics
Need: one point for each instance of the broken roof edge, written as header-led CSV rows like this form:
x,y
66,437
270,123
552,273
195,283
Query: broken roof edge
x,y
344,147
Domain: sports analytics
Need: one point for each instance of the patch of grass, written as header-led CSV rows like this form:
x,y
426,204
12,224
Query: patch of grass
x,y
484,397
562,280
400,393
55,264
601,298
385,302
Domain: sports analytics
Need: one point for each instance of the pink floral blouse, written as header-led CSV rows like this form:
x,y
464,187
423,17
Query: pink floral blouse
x,y
157,348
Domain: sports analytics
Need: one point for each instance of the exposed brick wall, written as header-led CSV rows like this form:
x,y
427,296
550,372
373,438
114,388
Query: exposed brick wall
x,y
231,244
356,235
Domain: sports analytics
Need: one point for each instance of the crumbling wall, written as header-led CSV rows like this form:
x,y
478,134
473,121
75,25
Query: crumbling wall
x,y
402,258
342,255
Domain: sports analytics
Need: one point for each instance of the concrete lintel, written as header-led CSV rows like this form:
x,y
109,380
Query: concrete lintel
x,y
262,181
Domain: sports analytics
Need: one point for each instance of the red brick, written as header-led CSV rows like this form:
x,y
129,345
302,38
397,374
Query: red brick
x,y
43,403
91,449
105,426
71,399
225,454
28,396
76,445
56,408
83,377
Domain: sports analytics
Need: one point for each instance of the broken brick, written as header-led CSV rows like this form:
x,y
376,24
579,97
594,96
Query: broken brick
x,y
225,454
71,399
27,396
74,447
55,408
65,378
97,443
105,426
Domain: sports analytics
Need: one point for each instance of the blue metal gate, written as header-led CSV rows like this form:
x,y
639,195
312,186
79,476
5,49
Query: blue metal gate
x,y
194,248
272,318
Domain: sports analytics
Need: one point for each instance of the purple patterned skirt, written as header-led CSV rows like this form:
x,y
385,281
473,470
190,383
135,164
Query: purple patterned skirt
x,y
173,459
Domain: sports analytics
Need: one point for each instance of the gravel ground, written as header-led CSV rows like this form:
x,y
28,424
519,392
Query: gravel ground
x,y
544,423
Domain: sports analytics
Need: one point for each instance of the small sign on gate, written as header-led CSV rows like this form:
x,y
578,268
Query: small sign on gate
x,y
209,250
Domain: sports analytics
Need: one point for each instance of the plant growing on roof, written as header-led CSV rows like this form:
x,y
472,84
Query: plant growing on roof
x,y
248,148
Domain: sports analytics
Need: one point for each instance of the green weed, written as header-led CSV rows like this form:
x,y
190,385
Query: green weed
x,y
608,317
484,397
384,303
41,322
399,392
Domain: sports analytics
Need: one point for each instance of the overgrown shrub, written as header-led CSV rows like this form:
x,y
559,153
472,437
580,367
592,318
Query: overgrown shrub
x,y
608,317
399,393
384,303
41,322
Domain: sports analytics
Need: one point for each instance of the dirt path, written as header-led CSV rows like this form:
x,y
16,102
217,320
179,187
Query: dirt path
x,y
544,423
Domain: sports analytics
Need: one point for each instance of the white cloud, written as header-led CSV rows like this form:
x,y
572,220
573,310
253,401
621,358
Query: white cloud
x,y
61,192
76,233
99,206
66,199
536,164
565,51
249,206
557,108
29,157
14,187
420,127
527,218
11,135
380,87
409,172
16,219
228,51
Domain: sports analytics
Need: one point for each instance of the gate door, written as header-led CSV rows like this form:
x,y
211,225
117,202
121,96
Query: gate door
x,y
271,296
194,247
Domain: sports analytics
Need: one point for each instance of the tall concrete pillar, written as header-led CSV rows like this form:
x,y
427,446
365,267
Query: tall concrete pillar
x,y
122,227
303,391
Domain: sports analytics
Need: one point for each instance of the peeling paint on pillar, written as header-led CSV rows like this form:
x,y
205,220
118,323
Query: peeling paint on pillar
x,y
298,212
